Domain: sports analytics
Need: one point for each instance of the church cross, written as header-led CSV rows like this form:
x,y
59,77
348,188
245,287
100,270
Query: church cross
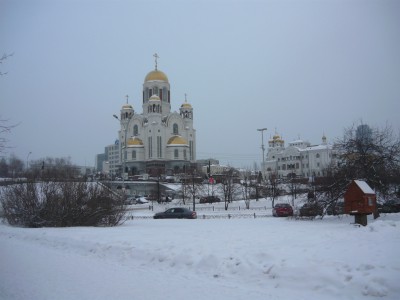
x,y
155,58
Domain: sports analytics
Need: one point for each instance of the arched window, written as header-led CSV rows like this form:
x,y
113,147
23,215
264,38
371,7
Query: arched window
x,y
317,155
135,130
176,153
134,154
175,128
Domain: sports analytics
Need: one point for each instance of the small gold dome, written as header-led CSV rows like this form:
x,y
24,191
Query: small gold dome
x,y
127,106
156,75
154,98
177,140
186,105
134,141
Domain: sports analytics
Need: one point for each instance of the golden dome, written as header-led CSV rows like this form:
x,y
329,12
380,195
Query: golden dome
x,y
186,105
154,98
127,106
177,140
134,141
276,137
156,75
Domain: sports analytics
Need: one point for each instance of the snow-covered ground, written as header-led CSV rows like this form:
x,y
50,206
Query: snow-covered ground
x,y
238,258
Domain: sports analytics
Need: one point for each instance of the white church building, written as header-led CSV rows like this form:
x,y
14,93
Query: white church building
x,y
158,140
299,159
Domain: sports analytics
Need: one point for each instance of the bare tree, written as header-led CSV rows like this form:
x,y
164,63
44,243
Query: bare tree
x,y
272,188
2,59
228,187
330,188
5,128
246,188
50,168
371,154
15,166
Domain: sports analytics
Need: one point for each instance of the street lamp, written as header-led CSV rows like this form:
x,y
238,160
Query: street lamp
x,y
27,160
263,149
194,191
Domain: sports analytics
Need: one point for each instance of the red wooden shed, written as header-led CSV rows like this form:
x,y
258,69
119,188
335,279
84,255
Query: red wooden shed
x,y
359,200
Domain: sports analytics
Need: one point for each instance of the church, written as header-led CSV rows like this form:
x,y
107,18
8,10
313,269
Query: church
x,y
299,160
156,141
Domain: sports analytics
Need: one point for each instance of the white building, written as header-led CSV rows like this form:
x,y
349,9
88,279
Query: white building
x,y
158,140
299,159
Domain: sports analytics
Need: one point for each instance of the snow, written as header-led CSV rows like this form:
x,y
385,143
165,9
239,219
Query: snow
x,y
364,187
238,258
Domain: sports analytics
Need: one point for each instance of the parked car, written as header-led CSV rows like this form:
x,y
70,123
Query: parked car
x,y
141,200
311,210
390,206
136,200
282,210
209,199
335,209
176,213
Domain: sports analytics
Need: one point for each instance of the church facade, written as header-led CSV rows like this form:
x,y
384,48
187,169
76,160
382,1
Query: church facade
x,y
158,140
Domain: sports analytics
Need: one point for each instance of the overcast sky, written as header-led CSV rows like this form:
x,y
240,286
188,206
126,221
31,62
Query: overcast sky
x,y
298,68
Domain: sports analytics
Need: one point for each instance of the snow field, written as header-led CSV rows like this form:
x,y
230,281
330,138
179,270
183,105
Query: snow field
x,y
215,259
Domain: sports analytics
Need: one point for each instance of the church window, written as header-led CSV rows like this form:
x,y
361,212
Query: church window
x,y
161,92
175,128
176,153
191,150
184,154
159,149
135,130
150,93
134,154
150,147
155,90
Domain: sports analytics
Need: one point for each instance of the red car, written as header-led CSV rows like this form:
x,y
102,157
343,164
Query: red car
x,y
282,210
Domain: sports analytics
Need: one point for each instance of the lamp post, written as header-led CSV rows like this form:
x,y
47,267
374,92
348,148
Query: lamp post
x,y
125,126
194,191
263,150
27,160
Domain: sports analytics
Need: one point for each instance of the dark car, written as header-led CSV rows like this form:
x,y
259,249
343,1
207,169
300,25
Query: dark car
x,y
209,199
311,210
390,206
176,213
335,209
282,210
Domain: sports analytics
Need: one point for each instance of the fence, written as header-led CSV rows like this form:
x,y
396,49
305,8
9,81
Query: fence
x,y
212,216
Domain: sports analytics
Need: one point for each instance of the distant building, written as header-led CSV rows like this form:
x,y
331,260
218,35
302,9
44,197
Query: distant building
x,y
100,159
299,160
108,162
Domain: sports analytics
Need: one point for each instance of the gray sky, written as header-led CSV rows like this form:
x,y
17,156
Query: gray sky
x,y
302,67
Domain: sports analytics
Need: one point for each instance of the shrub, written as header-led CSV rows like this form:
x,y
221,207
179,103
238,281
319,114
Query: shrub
x,y
61,204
